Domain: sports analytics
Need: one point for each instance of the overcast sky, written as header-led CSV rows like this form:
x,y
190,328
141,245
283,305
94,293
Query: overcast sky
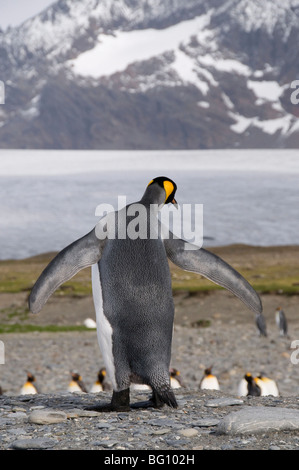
x,y
14,12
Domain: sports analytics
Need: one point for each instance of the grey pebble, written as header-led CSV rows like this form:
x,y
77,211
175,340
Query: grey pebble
x,y
106,444
189,432
6,421
38,443
205,422
259,419
164,423
17,431
161,432
179,443
47,417
79,413
221,402
19,415
103,425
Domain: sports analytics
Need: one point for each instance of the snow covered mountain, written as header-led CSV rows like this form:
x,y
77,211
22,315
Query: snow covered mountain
x,y
128,74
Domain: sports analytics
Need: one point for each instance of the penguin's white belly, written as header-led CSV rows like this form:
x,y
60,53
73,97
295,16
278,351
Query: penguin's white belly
x,y
268,387
104,329
28,389
210,383
73,387
140,387
174,383
243,388
96,388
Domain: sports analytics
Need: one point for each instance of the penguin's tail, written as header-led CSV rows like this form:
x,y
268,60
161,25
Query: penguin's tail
x,y
166,396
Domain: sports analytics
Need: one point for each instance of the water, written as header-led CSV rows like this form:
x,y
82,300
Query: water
x,y
48,198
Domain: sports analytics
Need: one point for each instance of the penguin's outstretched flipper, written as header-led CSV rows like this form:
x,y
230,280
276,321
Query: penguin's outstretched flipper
x,y
190,258
78,255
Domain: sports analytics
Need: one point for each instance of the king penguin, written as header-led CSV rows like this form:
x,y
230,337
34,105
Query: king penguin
x,y
281,321
268,386
175,378
29,388
76,384
100,385
209,381
253,387
132,291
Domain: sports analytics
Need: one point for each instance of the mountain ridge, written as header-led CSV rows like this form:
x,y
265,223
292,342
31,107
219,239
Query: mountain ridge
x,y
152,74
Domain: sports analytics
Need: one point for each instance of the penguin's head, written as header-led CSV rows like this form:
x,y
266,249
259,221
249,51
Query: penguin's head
x,y
248,377
208,371
102,374
163,190
76,377
174,372
30,377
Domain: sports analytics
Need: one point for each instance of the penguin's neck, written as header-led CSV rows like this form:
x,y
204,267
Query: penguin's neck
x,y
152,208
152,197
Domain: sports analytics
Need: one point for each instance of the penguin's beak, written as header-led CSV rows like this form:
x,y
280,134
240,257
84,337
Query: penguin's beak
x,y
175,203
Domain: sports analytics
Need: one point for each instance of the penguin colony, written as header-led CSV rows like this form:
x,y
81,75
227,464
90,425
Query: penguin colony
x,y
133,295
249,385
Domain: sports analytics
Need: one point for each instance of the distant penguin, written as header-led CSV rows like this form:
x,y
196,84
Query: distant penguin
x,y
253,387
101,384
90,323
129,251
140,387
175,378
281,321
261,324
243,387
29,388
268,386
175,381
76,384
209,381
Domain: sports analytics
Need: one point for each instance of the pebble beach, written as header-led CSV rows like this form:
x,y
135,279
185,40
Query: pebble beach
x,y
211,329
57,419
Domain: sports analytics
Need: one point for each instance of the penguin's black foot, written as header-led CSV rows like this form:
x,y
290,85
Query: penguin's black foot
x,y
107,407
154,402
143,404
120,402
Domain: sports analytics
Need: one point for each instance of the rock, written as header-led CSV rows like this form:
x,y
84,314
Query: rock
x,y
78,413
107,444
259,419
205,422
220,402
161,432
164,423
39,443
189,432
103,425
19,415
47,417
